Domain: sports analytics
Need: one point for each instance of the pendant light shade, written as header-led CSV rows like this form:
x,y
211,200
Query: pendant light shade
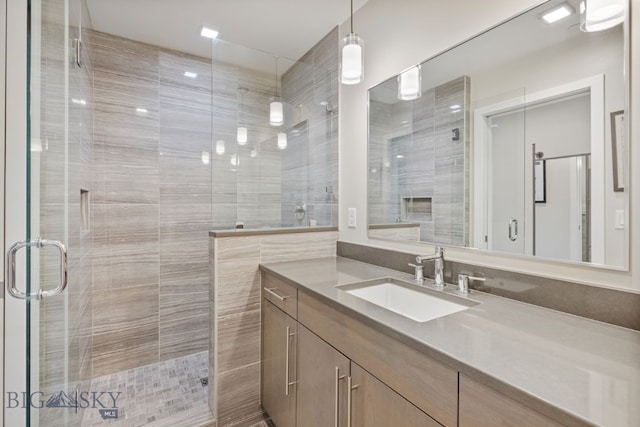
x,y
598,15
410,84
282,140
352,58
276,113
242,135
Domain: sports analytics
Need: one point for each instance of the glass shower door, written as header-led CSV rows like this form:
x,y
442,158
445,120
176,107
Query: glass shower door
x,y
42,212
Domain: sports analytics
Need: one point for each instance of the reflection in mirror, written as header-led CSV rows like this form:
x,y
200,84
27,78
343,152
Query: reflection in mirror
x,y
509,145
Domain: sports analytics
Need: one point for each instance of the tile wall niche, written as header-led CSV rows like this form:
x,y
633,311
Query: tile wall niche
x,y
310,162
421,160
64,321
234,353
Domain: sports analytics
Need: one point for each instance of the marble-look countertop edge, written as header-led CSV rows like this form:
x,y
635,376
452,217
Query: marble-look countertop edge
x,y
244,232
549,409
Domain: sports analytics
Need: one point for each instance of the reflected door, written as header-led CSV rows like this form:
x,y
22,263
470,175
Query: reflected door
x,y
506,183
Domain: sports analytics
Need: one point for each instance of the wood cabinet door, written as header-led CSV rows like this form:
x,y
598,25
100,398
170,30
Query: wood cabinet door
x,y
374,404
321,382
481,406
278,396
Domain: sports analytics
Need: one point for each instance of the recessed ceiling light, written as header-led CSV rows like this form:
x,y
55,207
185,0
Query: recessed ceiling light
x,y
190,74
141,110
208,33
455,107
400,156
557,13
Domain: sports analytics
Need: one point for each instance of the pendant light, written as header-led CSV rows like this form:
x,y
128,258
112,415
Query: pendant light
x,y
598,15
410,84
352,63
242,136
276,113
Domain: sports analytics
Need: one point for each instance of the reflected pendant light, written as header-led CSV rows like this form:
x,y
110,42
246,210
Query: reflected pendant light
x,y
598,15
220,147
352,61
242,136
410,84
276,113
282,140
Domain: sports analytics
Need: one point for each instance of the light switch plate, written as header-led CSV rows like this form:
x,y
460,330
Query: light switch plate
x,y
352,217
619,220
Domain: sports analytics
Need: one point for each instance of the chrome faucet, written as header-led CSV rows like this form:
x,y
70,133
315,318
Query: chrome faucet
x,y
438,259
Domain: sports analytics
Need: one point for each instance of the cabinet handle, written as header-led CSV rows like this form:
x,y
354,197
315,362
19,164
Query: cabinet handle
x,y
350,388
280,297
337,402
513,229
286,374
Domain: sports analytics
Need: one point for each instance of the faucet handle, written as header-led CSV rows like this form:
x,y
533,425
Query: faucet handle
x,y
463,282
419,272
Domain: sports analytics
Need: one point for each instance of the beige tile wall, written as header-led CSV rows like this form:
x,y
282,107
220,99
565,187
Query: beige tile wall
x,y
234,350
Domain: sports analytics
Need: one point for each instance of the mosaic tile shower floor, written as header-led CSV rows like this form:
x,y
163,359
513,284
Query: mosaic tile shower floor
x,y
167,394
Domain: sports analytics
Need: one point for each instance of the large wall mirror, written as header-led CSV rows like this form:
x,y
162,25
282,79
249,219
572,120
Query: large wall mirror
x,y
513,141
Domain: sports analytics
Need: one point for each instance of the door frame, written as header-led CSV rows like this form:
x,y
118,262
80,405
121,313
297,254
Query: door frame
x,y
481,146
15,197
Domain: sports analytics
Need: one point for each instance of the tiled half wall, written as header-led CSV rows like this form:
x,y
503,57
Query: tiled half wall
x,y
234,352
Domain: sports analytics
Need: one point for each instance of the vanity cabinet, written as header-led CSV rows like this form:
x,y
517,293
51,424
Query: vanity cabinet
x,y
278,365
321,382
308,381
481,406
374,404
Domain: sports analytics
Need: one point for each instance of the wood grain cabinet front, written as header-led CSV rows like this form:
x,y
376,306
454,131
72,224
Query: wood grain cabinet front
x,y
321,382
374,404
281,294
278,391
481,406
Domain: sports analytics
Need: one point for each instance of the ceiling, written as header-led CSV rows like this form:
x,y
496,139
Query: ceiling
x,y
285,28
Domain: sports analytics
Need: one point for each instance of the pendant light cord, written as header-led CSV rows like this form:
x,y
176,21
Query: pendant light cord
x,y
276,76
352,16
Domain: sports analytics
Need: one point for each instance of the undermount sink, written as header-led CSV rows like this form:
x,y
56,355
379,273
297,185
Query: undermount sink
x,y
415,302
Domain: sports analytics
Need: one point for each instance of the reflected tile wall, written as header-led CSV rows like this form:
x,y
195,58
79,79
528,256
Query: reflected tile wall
x,y
422,160
234,350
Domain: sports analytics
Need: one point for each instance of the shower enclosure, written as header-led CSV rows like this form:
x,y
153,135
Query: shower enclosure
x,y
133,153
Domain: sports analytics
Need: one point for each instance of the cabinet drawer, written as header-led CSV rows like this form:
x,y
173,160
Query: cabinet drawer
x,y
481,406
423,381
282,294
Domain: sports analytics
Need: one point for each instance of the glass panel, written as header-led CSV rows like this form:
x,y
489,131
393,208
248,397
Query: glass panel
x,y
281,175
53,328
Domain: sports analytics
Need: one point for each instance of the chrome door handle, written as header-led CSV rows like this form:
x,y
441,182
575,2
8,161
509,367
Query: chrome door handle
x,y
288,383
272,292
12,288
337,390
350,388
513,229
